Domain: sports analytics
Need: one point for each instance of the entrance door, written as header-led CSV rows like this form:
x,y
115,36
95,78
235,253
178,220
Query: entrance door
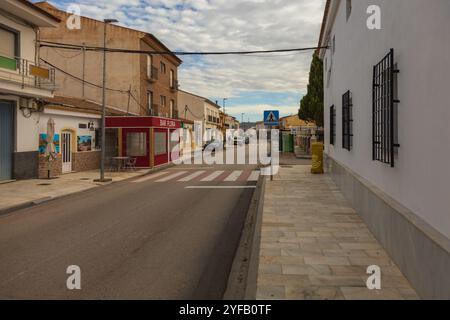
x,y
66,150
6,139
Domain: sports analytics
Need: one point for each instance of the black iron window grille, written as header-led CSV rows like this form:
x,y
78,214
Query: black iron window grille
x,y
347,121
384,110
332,125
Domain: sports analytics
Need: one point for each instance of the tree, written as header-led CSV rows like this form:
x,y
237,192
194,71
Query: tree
x,y
311,105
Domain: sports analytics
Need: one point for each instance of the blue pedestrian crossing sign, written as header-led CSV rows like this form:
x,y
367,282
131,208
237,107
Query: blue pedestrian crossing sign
x,y
271,117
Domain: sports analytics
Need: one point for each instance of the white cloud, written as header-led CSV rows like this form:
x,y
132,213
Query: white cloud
x,y
226,25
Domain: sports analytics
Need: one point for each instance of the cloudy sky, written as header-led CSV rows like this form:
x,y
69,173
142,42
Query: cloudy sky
x,y
251,83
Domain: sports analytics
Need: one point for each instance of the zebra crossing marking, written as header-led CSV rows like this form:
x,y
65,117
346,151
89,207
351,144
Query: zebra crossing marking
x,y
172,176
192,176
234,176
254,176
212,176
150,177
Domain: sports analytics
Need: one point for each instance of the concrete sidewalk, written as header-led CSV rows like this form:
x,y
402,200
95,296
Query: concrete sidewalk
x,y
315,246
25,193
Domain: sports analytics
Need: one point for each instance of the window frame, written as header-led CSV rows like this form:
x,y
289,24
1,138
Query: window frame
x,y
347,121
149,66
333,125
172,78
171,108
150,102
384,117
163,67
16,33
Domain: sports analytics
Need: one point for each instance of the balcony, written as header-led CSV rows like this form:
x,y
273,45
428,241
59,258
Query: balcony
x,y
153,76
174,86
26,77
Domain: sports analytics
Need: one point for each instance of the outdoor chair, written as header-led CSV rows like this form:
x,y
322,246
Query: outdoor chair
x,y
131,164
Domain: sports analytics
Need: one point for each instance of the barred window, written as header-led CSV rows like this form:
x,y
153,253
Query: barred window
x,y
347,121
332,125
384,117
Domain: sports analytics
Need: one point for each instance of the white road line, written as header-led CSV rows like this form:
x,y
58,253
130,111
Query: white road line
x,y
192,176
151,176
213,176
254,176
220,187
172,176
234,176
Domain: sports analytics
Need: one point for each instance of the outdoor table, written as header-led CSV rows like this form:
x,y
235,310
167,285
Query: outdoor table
x,y
121,162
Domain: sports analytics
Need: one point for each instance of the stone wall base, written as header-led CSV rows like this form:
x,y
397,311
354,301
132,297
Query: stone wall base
x,y
419,250
55,167
85,161
26,165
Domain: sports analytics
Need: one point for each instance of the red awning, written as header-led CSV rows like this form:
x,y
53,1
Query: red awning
x,y
142,122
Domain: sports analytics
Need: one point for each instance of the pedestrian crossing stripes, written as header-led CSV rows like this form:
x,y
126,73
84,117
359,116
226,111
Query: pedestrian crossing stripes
x,y
192,176
172,176
202,176
150,177
213,176
234,176
254,176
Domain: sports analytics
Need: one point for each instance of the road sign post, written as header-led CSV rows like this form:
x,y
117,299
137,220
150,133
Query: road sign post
x,y
271,119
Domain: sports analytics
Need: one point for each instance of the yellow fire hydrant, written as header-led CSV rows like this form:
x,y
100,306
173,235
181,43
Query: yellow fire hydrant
x,y
317,158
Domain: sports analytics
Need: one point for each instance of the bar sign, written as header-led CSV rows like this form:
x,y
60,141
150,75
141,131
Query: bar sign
x,y
39,72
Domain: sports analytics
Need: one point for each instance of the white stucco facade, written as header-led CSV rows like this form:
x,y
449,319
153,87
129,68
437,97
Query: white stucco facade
x,y
418,31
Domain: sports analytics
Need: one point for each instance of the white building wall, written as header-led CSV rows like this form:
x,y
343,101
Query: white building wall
x,y
419,33
65,121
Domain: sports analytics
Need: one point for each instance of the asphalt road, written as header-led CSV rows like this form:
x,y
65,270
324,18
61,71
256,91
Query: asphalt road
x,y
152,238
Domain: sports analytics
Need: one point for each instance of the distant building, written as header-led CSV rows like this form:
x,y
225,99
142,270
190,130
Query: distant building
x,y
294,122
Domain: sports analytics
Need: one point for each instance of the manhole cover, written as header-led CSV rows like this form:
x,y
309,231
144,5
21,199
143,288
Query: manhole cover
x,y
44,184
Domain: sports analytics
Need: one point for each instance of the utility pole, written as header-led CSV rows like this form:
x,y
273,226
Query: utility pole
x,y
103,145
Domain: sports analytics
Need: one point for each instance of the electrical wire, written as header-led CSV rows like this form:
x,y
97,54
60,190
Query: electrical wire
x,y
178,53
192,113
79,79
95,85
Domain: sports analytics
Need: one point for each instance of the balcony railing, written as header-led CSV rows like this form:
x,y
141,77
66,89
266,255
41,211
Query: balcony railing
x,y
174,85
27,73
153,111
153,76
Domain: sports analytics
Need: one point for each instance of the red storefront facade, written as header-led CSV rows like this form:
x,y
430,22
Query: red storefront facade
x,y
148,139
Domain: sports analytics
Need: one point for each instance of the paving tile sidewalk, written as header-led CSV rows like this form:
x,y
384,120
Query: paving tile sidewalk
x,y
22,192
315,246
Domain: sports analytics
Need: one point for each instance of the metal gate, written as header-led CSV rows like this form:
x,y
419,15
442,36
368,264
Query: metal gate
x,y
6,139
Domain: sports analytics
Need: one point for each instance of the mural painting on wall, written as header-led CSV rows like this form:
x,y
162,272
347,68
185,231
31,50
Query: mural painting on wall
x,y
43,143
84,143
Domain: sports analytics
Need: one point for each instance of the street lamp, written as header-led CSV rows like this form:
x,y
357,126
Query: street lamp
x,y
103,144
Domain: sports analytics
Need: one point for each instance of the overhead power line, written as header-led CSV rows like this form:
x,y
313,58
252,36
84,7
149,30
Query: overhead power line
x,y
79,79
95,85
68,46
